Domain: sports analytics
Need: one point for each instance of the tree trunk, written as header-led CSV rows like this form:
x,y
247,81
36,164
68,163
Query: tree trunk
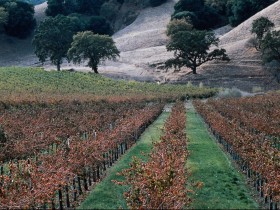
x,y
95,69
58,66
194,69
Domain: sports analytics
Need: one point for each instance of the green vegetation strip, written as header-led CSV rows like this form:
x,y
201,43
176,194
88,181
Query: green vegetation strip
x,y
224,187
107,195
35,82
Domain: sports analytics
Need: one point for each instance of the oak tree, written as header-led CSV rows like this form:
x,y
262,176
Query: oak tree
x,y
191,49
92,47
53,38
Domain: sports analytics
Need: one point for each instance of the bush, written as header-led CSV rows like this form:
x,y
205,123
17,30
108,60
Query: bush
x,y
99,25
109,10
230,93
155,3
21,20
96,24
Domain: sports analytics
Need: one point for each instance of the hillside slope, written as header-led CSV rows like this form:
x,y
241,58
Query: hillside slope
x,y
245,70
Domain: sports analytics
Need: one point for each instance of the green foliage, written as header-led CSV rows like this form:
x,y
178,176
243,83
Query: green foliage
x,y
270,46
3,16
53,38
20,22
109,10
99,25
240,10
96,24
36,84
34,2
92,47
260,27
155,3
268,42
176,26
191,49
189,5
201,15
65,7
209,14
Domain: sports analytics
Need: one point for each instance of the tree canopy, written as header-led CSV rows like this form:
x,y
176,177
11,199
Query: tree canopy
x,y
270,46
53,38
17,18
260,27
178,25
268,42
209,14
191,47
92,47
3,17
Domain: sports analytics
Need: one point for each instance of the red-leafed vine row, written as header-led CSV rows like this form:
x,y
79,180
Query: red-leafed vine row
x,y
254,152
26,131
160,183
55,180
260,114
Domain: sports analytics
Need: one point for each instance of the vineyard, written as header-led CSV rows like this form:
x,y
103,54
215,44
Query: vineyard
x,y
52,154
248,129
161,182
34,85
60,131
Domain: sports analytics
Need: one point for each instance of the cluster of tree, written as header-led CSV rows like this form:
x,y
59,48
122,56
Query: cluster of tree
x,y
209,14
35,2
16,18
267,41
98,16
191,47
155,3
87,12
55,39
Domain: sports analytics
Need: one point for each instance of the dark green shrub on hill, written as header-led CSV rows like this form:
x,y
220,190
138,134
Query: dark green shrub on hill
x,y
240,10
17,18
21,20
209,14
155,3
66,7
53,38
34,2
109,10
201,15
99,25
96,24
189,5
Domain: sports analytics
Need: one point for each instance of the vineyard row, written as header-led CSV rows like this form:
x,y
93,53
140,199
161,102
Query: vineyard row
x,y
56,180
160,183
255,156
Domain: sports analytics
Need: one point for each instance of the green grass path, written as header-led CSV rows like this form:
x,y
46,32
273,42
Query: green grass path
x,y
224,187
107,195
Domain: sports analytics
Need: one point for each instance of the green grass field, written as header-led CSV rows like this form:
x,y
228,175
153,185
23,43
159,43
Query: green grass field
x,y
107,195
224,187
37,84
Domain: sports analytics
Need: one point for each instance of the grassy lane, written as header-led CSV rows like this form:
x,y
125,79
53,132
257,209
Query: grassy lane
x,y
107,195
224,187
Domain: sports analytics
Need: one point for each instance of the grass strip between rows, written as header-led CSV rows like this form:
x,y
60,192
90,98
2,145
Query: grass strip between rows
x,y
224,187
107,195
